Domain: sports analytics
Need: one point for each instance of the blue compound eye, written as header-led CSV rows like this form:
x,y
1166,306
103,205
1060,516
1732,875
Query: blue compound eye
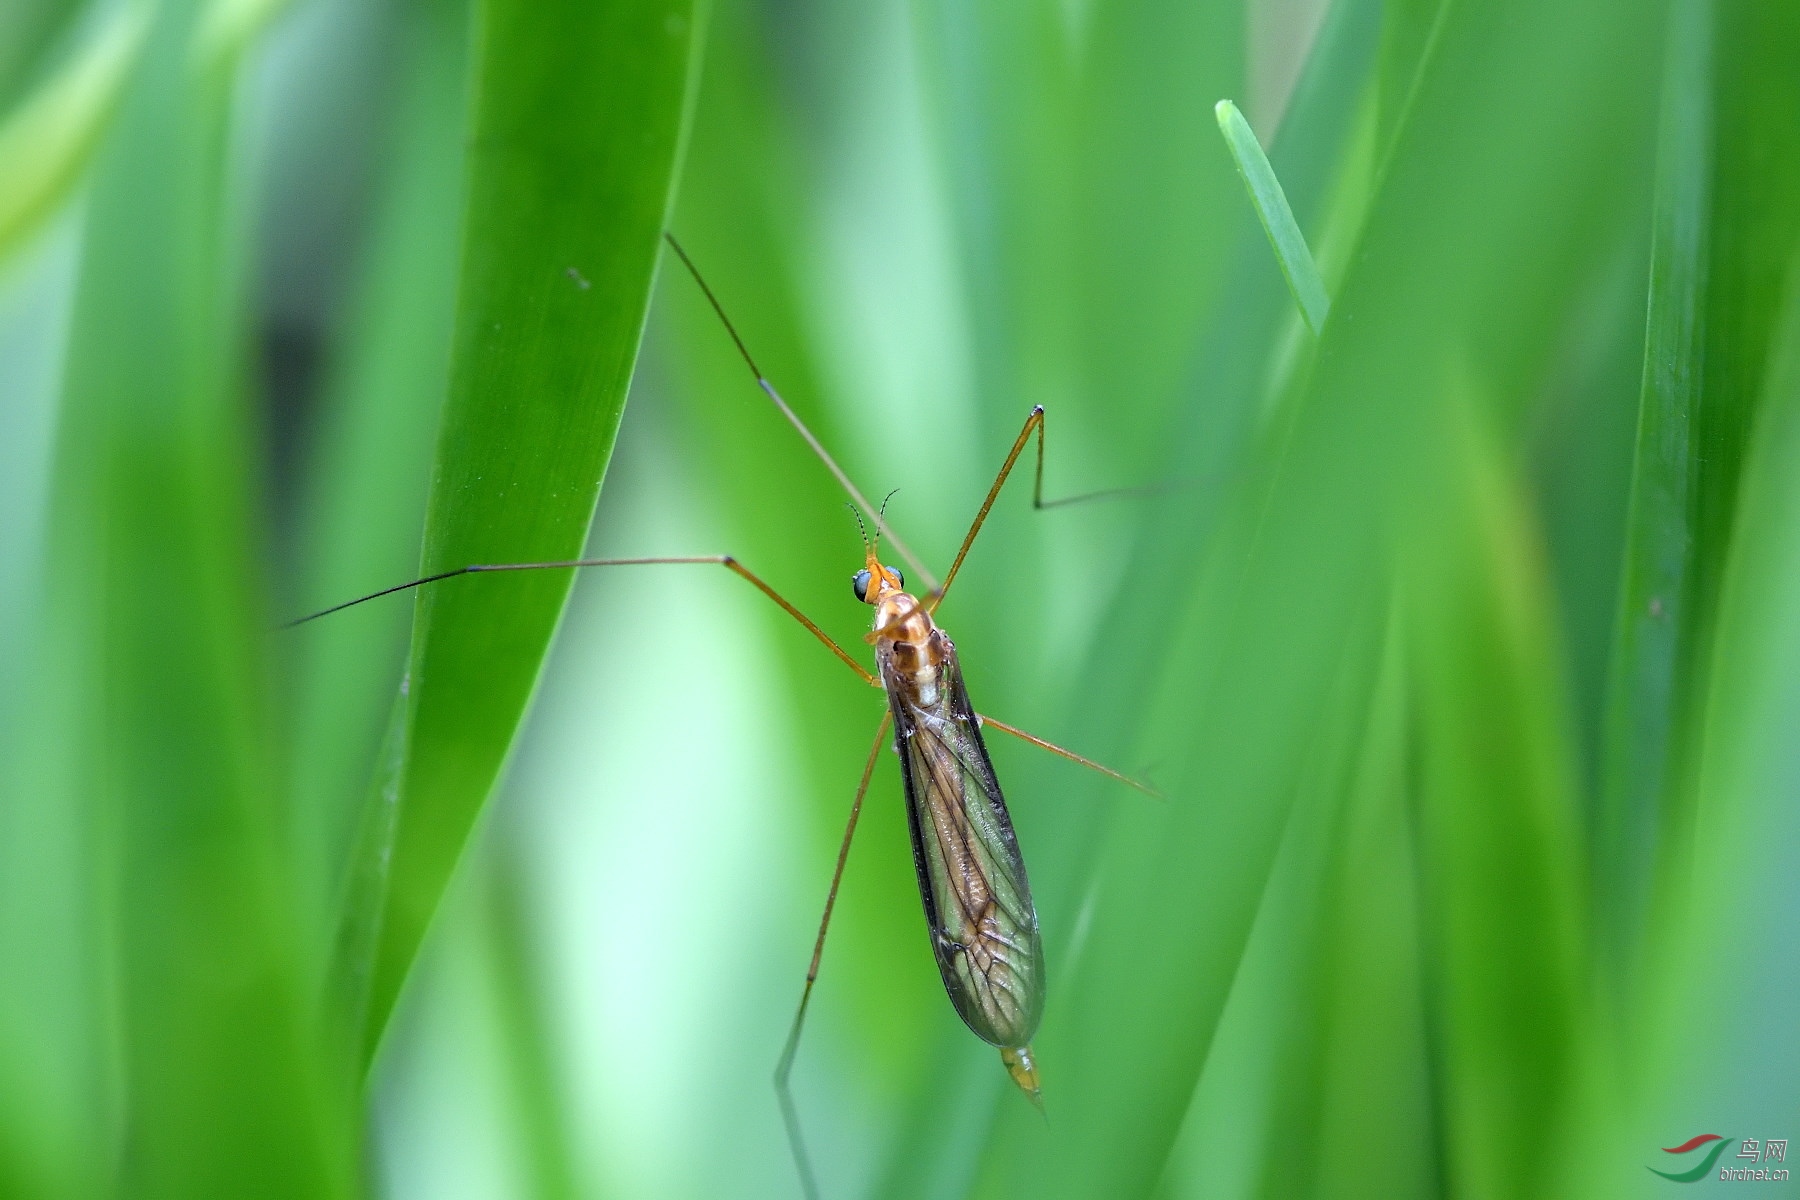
x,y
859,583
899,579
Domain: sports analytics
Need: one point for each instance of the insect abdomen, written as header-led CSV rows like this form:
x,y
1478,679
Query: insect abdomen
x,y
972,879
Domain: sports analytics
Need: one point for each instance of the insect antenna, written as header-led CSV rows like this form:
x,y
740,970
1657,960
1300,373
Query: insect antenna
x,y
876,548
862,530
793,418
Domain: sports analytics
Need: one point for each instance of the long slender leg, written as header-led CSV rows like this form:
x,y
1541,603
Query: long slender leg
x,y
1033,424
785,1066
881,526
723,560
989,722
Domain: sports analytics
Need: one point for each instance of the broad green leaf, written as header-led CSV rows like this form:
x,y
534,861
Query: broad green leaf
x,y
574,136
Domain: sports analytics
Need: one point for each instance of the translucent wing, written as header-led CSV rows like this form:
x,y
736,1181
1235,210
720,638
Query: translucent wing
x,y
984,929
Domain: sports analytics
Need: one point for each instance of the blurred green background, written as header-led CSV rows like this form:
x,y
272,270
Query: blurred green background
x,y
1465,645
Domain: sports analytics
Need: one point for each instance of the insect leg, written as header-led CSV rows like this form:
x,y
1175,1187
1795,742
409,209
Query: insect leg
x,y
1119,493
793,418
723,560
1052,747
785,1066
1033,424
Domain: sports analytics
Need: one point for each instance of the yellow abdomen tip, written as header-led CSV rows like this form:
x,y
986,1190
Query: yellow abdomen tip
x,y
1022,1068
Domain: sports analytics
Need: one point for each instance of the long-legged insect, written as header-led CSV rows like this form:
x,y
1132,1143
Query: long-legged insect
x,y
972,881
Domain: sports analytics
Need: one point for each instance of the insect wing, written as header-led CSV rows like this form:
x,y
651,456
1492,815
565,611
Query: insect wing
x,y
983,926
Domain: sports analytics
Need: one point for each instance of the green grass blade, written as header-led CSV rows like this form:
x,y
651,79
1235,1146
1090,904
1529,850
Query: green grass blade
x,y
154,574
46,139
1728,215
1721,1035
1268,1065
52,1087
1642,717
1711,1036
578,111
1317,140
1720,951
28,30
546,1142
1754,224
370,470
1408,31
1505,929
1271,205
1375,1078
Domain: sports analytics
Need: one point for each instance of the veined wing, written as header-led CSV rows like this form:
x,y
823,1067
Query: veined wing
x,y
984,929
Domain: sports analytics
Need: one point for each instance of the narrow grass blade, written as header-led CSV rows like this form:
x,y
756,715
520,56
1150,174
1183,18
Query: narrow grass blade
x,y
46,139
219,1083
51,939
1285,238
1375,1079
1642,716
1720,1007
1261,1091
1317,141
546,1142
30,31
1754,223
370,472
578,112
1721,954
1505,929
1728,214
1408,30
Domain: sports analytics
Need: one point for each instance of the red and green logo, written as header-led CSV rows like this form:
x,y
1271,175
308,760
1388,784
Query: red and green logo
x,y
1705,1164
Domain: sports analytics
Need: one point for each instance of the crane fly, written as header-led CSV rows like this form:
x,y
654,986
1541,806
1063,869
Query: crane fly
x,y
979,914
978,909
